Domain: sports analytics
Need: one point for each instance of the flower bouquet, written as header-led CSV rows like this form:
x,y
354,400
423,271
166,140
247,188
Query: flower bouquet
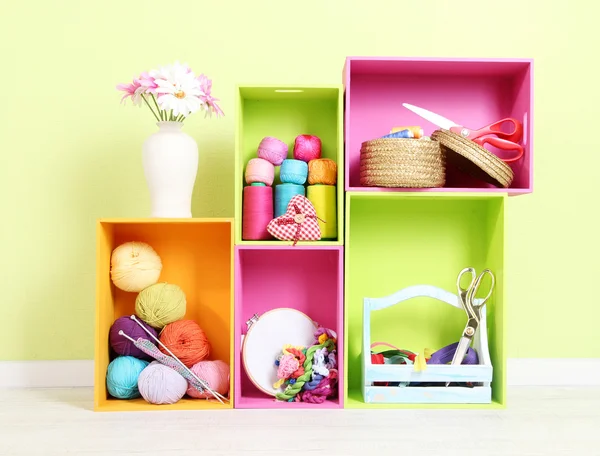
x,y
170,156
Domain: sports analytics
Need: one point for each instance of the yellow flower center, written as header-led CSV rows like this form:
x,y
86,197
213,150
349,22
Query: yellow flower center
x,y
180,94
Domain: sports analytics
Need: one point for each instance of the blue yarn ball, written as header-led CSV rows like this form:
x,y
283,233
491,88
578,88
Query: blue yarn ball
x,y
122,377
293,171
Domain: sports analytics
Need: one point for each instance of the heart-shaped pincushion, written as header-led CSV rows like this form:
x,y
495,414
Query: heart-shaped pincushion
x,y
299,223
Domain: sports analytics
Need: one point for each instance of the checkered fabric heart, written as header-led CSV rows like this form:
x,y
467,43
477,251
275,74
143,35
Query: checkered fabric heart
x,y
299,223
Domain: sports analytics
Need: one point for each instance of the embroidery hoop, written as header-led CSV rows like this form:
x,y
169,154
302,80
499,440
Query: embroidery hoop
x,y
266,337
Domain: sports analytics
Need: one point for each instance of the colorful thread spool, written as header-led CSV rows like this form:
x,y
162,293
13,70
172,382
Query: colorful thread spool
x,y
400,134
307,148
257,212
283,194
416,131
273,150
293,172
322,171
261,171
324,200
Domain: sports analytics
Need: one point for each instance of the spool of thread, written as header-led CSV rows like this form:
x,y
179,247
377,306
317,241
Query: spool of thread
x,y
186,340
215,373
293,172
307,148
134,266
323,198
283,194
122,377
322,171
273,150
123,346
159,384
160,304
260,170
400,134
257,212
416,131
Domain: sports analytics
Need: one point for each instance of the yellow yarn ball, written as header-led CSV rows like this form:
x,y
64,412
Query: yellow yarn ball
x,y
160,304
134,266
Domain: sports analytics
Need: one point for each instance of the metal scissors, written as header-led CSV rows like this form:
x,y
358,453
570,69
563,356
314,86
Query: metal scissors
x,y
490,134
472,307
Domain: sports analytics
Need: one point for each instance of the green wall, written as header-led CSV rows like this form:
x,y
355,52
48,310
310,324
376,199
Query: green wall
x,y
71,154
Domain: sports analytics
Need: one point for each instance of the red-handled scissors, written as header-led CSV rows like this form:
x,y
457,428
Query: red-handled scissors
x,y
500,139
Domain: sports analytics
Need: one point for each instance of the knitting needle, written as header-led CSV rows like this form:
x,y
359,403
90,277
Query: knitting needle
x,y
202,382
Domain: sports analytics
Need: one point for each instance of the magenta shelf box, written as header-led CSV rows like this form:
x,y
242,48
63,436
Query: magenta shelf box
x,y
471,92
306,278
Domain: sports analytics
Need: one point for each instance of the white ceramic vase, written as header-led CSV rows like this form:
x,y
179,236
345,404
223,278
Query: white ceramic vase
x,y
170,160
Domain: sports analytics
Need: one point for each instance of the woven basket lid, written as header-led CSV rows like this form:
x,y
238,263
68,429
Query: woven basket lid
x,y
473,159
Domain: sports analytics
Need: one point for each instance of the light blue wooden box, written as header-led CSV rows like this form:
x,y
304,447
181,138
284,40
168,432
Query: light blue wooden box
x,y
480,374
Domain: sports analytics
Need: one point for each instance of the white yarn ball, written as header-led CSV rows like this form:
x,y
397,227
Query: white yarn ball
x,y
159,384
134,266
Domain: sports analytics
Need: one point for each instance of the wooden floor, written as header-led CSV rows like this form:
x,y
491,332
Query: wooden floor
x,y
538,421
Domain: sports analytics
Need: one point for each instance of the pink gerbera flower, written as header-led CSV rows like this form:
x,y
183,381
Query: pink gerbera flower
x,y
148,82
133,91
207,98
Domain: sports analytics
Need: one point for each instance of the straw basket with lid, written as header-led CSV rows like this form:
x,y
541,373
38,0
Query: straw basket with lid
x,y
400,162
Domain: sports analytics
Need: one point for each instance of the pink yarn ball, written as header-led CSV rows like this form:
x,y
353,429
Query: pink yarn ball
x,y
215,373
273,150
260,170
307,148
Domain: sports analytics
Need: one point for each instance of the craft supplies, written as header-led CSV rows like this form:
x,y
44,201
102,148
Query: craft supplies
x,y
122,377
307,147
273,150
159,384
322,171
400,134
257,212
266,336
284,194
394,162
416,131
308,373
491,134
324,198
299,223
216,376
186,340
160,304
260,171
293,171
123,346
134,266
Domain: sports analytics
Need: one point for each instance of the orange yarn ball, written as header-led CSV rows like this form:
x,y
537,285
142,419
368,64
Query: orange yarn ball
x,y
322,171
186,340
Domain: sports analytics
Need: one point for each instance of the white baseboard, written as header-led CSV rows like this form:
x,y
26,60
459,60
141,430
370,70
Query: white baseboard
x,y
520,372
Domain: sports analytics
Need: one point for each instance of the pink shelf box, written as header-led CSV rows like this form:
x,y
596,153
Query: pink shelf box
x,y
306,278
471,92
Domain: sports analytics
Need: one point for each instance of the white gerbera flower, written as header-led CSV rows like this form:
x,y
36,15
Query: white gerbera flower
x,y
178,89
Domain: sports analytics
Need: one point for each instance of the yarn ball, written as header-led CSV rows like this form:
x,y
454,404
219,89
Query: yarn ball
x,y
160,304
123,346
159,384
215,374
260,170
322,171
307,148
273,150
134,266
293,172
122,377
186,340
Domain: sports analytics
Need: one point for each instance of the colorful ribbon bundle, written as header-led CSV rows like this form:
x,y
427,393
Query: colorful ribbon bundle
x,y
308,374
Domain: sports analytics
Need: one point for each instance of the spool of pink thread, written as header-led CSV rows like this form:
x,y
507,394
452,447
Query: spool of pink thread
x,y
273,150
257,212
260,170
307,148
